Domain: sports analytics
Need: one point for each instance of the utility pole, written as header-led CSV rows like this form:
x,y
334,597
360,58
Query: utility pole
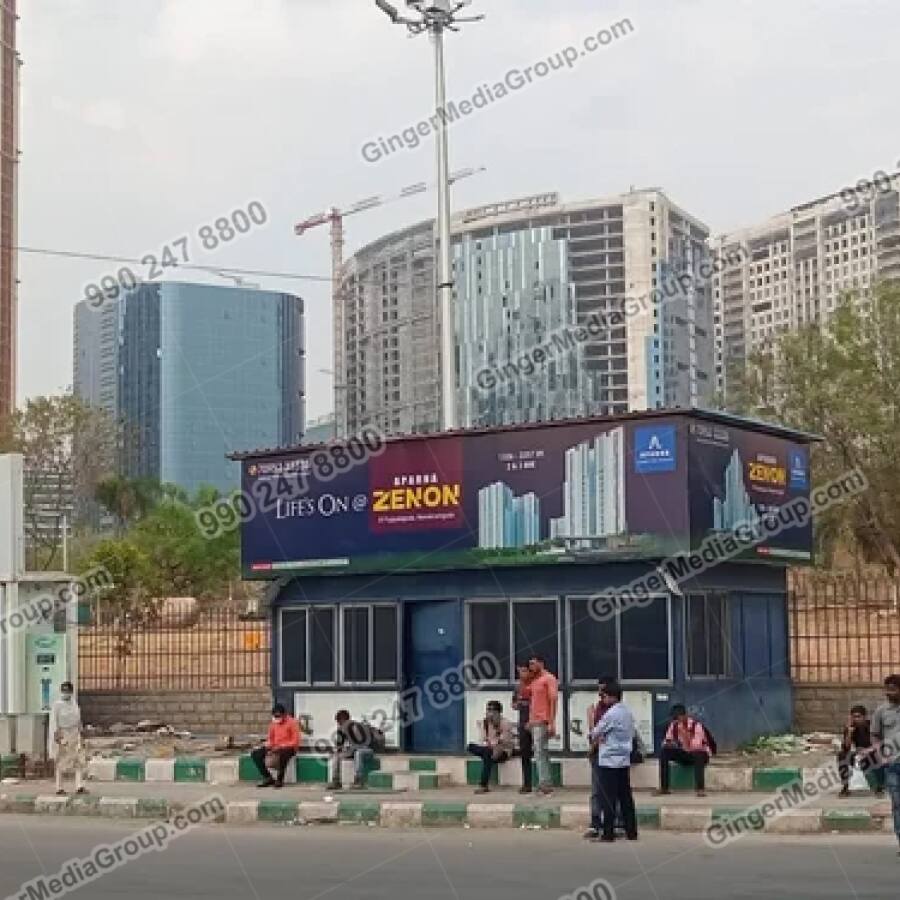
x,y
435,17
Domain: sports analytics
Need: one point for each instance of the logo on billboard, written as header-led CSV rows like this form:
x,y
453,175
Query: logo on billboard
x,y
654,449
799,469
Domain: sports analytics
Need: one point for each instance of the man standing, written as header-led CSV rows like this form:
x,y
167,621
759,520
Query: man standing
x,y
614,736
594,714
352,740
688,743
886,735
64,738
542,720
496,742
281,745
522,703
856,744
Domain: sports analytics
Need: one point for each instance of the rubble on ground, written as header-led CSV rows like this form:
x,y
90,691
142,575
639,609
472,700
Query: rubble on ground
x,y
153,739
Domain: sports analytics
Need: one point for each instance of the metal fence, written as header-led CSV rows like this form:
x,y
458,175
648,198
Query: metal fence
x,y
844,628
175,649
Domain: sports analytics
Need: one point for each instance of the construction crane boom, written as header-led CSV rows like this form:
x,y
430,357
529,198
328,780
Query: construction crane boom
x,y
335,218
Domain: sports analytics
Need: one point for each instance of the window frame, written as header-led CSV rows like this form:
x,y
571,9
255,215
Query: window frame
x,y
510,602
727,649
337,626
625,682
370,635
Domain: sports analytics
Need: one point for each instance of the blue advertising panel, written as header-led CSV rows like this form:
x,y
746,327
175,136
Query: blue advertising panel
x,y
564,493
743,477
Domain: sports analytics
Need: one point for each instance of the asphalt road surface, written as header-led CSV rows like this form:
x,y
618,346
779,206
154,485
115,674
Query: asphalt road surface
x,y
349,862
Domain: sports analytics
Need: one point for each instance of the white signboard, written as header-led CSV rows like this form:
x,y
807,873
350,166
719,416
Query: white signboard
x,y
639,702
315,712
475,707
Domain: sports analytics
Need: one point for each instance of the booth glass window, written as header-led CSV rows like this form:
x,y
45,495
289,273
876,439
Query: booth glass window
x,y
514,630
633,645
361,640
370,644
706,635
294,641
322,645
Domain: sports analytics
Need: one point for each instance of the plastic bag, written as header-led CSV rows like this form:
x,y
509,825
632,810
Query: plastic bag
x,y
858,779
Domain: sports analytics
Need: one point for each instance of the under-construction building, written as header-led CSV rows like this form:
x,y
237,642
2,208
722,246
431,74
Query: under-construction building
x,y
530,275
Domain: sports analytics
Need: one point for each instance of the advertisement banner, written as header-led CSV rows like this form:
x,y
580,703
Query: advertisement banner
x,y
557,494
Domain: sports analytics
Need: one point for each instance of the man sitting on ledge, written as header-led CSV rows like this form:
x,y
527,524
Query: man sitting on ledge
x,y
688,743
357,741
496,742
282,744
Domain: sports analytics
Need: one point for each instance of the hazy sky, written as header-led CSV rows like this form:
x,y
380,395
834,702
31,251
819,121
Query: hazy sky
x,y
143,119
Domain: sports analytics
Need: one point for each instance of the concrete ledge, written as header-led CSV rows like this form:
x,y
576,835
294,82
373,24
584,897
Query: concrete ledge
x,y
684,818
242,812
50,803
572,815
490,815
401,814
223,771
796,821
719,778
103,769
159,770
847,820
318,812
119,807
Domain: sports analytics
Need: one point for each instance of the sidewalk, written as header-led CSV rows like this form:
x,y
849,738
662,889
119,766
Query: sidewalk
x,y
302,804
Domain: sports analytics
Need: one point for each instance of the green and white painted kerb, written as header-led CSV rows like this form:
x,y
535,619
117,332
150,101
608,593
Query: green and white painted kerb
x,y
397,772
443,814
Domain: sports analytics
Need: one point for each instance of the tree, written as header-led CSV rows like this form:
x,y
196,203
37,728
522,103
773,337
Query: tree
x,y
841,381
127,499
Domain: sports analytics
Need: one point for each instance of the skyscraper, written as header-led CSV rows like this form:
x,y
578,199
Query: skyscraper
x,y
505,520
96,355
9,186
736,508
594,489
523,271
205,370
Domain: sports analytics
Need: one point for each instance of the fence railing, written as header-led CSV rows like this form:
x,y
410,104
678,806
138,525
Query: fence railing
x,y
843,628
174,650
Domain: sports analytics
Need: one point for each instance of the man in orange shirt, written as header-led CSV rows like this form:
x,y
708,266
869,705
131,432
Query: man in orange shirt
x,y
542,721
281,745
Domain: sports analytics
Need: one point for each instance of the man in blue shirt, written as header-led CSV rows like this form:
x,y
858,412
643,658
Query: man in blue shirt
x,y
614,736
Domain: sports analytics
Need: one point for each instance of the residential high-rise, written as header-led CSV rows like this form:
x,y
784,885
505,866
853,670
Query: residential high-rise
x,y
736,508
205,370
594,489
9,185
505,520
528,272
96,355
796,266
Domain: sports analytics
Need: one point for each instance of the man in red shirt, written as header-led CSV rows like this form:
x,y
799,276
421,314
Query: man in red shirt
x,y
688,743
542,720
281,745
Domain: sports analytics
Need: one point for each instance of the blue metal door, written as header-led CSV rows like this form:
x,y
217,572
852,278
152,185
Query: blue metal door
x,y
433,647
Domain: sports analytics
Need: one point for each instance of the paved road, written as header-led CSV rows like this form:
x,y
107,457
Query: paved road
x,y
350,862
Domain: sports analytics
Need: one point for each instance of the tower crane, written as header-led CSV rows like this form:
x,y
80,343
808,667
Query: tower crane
x,y
335,218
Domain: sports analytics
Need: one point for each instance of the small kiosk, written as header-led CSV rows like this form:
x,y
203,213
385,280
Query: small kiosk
x,y
38,629
606,545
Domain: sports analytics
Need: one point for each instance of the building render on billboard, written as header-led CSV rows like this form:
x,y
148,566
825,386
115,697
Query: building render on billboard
x,y
499,544
527,274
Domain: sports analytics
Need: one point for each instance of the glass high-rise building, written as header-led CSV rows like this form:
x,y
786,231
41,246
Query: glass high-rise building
x,y
205,370
505,520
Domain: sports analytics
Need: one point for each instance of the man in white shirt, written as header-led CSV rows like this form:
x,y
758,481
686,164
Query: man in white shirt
x,y
64,739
